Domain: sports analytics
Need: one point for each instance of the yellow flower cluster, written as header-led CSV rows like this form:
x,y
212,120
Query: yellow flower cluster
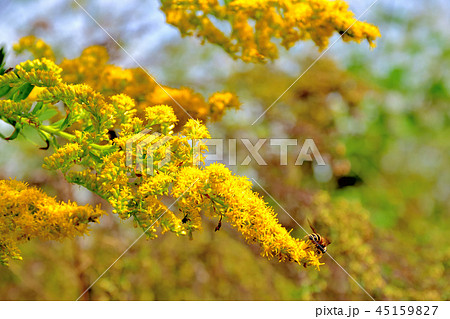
x,y
212,110
11,109
27,213
36,46
16,86
64,157
221,101
215,190
254,24
40,72
92,69
91,159
160,114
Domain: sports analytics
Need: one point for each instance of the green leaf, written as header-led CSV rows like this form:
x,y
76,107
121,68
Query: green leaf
x,y
66,122
4,90
37,108
23,92
57,124
2,60
30,134
47,139
89,128
47,114
54,142
95,157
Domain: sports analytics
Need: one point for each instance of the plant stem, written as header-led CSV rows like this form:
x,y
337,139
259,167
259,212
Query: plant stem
x,y
55,131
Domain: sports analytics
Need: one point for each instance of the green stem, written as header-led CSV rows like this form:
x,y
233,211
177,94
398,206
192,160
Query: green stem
x,y
55,131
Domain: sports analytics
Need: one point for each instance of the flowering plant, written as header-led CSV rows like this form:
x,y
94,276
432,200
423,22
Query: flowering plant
x,y
253,25
90,113
87,155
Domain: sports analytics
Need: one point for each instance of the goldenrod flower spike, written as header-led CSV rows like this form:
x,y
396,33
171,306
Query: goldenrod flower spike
x,y
27,213
255,24
114,168
217,190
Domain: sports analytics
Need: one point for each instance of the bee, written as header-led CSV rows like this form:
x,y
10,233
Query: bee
x,y
185,219
112,134
320,241
92,219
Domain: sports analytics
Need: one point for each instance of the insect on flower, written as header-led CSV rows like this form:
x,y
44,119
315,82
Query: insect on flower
x,y
320,241
185,219
219,224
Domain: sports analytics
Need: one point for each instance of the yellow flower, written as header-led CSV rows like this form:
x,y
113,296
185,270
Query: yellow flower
x,y
194,129
220,102
160,114
64,158
37,47
256,23
109,166
40,72
216,189
27,213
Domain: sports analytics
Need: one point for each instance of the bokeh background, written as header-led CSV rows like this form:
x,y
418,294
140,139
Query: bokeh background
x,y
379,117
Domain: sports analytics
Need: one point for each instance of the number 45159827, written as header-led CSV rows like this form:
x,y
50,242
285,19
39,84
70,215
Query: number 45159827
x,y
407,310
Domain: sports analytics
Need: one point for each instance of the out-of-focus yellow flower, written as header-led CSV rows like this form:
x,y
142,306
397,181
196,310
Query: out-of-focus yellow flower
x,y
255,23
37,47
92,68
220,102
